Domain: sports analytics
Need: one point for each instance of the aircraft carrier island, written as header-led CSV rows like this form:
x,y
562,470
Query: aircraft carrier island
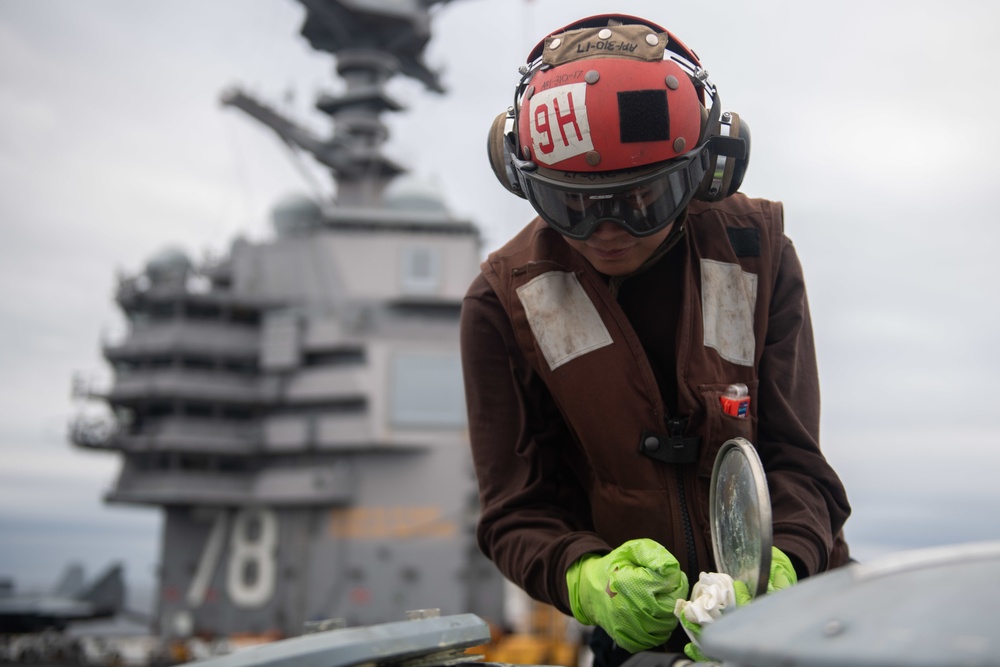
x,y
296,407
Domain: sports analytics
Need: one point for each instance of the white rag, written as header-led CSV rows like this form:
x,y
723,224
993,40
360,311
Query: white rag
x,y
711,597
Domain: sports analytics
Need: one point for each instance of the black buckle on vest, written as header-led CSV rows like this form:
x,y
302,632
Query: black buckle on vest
x,y
671,448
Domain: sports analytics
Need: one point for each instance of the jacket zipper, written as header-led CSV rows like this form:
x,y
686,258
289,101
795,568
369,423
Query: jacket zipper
x,y
675,428
692,554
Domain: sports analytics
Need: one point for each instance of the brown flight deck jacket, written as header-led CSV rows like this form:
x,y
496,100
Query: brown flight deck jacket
x,y
593,404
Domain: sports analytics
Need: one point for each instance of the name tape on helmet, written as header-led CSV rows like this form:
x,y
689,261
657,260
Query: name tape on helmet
x,y
619,41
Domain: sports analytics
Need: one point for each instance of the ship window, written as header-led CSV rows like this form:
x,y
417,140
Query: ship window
x,y
436,309
427,390
159,362
203,311
421,270
161,311
237,413
341,407
241,316
341,357
137,317
193,462
232,464
157,409
241,366
197,410
123,367
197,363
149,461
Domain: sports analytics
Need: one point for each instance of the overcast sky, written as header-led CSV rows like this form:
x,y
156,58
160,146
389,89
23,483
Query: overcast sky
x,y
872,121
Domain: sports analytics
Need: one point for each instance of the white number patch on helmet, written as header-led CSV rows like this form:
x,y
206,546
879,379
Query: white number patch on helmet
x,y
559,126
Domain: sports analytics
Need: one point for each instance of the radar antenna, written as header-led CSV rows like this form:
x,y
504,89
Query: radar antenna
x,y
372,40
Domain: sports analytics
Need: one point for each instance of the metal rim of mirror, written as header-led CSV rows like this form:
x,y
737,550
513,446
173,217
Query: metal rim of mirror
x,y
742,547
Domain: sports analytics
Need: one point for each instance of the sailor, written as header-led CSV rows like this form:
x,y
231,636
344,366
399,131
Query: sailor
x,y
650,313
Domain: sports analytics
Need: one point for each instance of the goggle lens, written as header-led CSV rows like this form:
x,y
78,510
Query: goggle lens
x,y
643,206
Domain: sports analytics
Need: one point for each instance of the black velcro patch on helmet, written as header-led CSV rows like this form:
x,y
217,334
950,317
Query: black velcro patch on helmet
x,y
643,116
745,242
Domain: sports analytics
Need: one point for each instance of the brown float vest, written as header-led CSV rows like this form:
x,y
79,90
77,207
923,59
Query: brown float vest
x,y
641,461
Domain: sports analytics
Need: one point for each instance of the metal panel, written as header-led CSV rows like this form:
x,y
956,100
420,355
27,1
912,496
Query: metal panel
x,y
186,336
318,486
923,608
178,383
388,643
281,343
426,390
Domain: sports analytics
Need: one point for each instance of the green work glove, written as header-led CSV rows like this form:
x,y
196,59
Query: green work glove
x,y
713,595
630,592
782,573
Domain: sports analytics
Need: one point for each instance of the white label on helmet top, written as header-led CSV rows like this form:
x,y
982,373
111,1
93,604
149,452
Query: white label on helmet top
x,y
559,126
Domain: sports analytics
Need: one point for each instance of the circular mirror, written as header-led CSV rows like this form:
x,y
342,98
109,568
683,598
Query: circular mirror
x,y
740,514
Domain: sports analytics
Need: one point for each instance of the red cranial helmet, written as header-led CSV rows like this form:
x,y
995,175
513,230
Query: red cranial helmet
x,y
610,114
614,119
603,98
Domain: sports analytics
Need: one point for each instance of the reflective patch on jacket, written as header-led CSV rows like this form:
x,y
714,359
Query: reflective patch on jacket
x,y
728,300
563,320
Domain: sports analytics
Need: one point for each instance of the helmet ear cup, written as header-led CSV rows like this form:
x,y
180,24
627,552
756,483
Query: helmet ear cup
x,y
498,148
740,164
725,174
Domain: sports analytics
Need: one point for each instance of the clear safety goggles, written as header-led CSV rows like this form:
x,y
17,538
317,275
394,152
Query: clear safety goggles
x,y
643,202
